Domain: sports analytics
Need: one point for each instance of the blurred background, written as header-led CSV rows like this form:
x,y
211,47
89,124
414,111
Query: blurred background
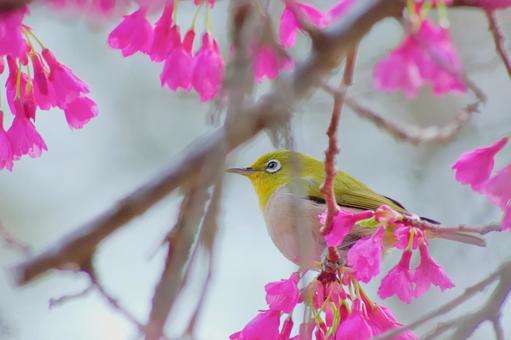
x,y
142,128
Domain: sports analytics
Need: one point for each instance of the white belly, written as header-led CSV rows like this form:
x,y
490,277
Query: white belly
x,y
294,226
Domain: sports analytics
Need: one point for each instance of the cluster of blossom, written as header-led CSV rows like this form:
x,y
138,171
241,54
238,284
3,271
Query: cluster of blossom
x,y
475,168
35,80
336,305
336,308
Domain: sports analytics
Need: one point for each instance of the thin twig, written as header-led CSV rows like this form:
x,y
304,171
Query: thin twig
x,y
328,189
13,242
54,302
498,38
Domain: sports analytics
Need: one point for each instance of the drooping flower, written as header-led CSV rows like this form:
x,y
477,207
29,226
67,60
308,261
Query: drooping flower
x,y
283,295
429,272
25,140
166,36
80,111
287,327
399,280
365,256
178,67
424,56
208,69
498,187
355,326
267,62
407,236
264,326
18,91
474,167
342,225
133,34
12,42
67,86
6,156
382,320
289,23
338,10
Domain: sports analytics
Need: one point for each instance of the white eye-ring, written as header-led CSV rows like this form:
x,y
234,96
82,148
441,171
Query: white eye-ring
x,y
272,166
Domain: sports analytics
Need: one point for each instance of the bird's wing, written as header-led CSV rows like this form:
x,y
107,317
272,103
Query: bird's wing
x,y
351,193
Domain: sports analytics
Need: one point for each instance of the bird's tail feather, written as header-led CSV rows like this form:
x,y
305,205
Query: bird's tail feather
x,y
459,236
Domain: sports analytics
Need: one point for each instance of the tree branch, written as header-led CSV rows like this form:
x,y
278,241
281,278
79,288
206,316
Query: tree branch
x,y
498,38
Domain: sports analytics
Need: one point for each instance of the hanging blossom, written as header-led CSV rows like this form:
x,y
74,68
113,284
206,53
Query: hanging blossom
x,y
475,169
426,56
183,68
336,308
49,85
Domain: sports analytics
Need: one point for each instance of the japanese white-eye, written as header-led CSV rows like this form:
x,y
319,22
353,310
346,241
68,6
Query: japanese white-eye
x,y
288,185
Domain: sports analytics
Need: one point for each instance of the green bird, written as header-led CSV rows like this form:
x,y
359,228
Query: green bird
x,y
288,185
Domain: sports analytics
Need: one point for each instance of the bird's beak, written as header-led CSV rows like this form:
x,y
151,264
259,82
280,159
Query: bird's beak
x,y
241,171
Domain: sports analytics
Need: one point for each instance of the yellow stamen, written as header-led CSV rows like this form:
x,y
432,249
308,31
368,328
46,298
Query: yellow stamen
x,y
410,240
195,16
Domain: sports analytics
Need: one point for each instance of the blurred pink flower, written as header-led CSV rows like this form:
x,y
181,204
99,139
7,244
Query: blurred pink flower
x,y
399,280
80,111
133,34
429,272
178,67
283,295
498,187
289,23
6,156
474,167
199,2
44,94
267,62
342,224
12,42
24,138
365,256
264,326
208,69
66,84
355,326
166,36
424,56
338,10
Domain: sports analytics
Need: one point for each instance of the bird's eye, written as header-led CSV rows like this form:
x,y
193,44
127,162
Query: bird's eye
x,y
272,166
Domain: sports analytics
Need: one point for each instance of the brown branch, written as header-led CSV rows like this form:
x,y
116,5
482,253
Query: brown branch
x,y
498,38
55,302
12,241
180,242
271,110
464,323
328,189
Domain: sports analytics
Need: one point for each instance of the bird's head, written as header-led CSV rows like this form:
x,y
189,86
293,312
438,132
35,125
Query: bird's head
x,y
275,169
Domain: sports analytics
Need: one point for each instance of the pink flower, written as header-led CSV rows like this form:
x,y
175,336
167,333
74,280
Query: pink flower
x,y
66,84
494,4
12,42
334,292
166,36
6,156
264,326
199,2
133,34
474,167
339,9
365,256
21,101
287,327
403,234
44,94
24,138
208,69
289,23
429,272
399,280
382,320
355,326
177,71
283,295
424,56
318,294
267,62
343,223
79,111
498,187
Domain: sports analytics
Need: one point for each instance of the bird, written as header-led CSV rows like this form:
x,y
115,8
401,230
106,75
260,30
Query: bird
x,y
288,186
